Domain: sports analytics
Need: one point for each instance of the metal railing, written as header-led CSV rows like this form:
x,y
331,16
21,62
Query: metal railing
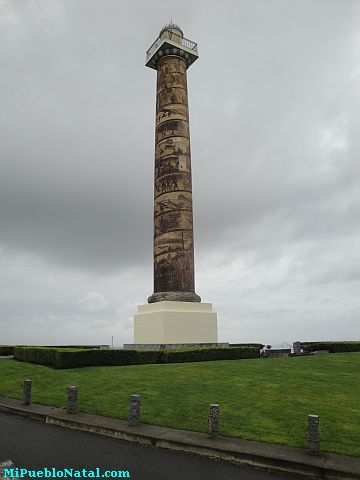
x,y
185,42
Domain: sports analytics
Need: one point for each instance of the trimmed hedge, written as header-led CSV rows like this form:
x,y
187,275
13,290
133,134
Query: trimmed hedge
x,y
74,358
87,347
251,345
6,350
9,349
333,347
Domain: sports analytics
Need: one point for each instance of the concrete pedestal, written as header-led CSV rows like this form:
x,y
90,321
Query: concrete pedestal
x,y
175,322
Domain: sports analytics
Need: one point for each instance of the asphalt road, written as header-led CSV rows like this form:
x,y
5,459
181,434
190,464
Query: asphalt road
x,y
33,445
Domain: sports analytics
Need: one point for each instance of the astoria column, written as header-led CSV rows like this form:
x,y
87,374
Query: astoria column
x,y
171,55
174,314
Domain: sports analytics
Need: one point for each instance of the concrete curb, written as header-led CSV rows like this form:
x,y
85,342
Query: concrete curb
x,y
243,452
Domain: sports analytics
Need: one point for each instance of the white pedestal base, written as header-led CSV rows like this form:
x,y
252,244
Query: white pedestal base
x,y
175,322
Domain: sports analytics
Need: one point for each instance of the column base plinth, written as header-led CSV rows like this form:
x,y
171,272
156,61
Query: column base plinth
x,y
171,322
173,346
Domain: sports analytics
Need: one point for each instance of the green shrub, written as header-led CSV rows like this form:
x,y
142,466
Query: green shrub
x,y
87,358
9,349
40,355
208,354
6,350
253,345
74,358
333,347
78,347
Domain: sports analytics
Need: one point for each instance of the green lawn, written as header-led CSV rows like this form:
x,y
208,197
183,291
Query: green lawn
x,y
260,399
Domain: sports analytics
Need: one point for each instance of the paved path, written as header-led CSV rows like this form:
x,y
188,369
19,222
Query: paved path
x,y
30,444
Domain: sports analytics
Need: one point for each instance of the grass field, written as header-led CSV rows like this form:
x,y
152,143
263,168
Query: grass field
x,y
260,399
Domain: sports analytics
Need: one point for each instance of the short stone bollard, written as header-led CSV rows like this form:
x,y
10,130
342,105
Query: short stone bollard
x,y
313,435
27,392
7,465
297,348
72,400
213,420
134,410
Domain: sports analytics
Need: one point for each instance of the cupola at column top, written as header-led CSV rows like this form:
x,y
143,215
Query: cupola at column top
x,y
171,42
172,27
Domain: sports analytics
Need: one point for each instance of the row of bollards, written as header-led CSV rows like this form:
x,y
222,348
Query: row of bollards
x,y
213,418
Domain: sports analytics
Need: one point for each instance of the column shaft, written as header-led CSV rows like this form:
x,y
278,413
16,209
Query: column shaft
x,y
173,215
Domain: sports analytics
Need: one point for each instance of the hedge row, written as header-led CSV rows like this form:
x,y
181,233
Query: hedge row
x,y
6,350
251,345
73,358
86,347
333,347
9,349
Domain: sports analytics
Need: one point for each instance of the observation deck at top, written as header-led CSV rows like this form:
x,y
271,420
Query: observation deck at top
x,y
171,42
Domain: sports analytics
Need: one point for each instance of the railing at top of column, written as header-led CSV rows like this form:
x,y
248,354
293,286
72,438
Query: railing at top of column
x,y
174,37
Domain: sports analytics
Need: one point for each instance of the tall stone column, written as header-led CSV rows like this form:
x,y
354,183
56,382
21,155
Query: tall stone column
x,y
174,316
173,214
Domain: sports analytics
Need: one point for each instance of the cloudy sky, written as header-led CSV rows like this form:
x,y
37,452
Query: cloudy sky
x,y
275,115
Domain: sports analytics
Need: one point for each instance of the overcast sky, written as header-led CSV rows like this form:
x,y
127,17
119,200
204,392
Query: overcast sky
x,y
274,120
